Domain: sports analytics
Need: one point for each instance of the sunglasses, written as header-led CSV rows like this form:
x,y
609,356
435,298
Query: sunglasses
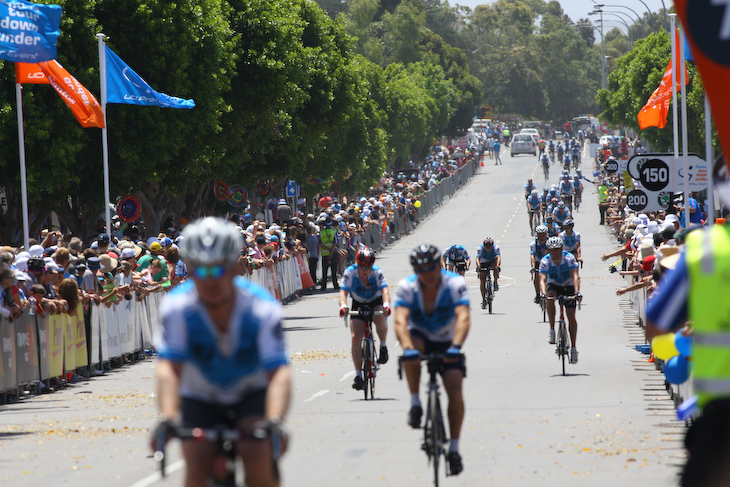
x,y
423,270
209,271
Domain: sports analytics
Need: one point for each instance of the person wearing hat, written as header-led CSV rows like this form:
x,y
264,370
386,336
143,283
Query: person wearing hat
x,y
103,243
283,212
328,241
156,252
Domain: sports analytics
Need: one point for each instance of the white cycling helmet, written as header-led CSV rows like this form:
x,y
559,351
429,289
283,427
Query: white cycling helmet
x,y
210,241
554,243
541,229
534,192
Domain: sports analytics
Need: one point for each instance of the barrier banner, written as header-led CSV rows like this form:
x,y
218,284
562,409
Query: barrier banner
x,y
42,329
69,325
140,318
125,319
7,330
55,345
307,280
150,307
82,356
112,327
103,334
26,353
96,316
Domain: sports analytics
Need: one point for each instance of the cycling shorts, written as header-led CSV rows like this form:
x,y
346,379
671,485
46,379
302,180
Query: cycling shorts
x,y
440,347
358,305
563,291
488,265
202,414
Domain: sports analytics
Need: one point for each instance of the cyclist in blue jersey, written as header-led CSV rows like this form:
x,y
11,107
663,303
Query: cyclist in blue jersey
x,y
457,258
529,186
553,228
369,289
566,191
571,240
222,359
566,162
545,198
551,150
432,316
554,193
559,277
489,257
545,165
561,151
561,213
577,185
538,250
575,154
534,207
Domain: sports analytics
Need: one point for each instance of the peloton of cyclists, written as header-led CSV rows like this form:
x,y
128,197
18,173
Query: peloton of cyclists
x,y
559,277
456,258
366,283
538,250
534,210
571,240
489,258
432,316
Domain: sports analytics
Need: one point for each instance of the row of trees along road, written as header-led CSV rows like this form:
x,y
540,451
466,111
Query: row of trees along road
x,y
283,91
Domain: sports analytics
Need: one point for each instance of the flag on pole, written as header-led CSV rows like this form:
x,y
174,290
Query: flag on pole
x,y
126,86
82,103
656,110
28,31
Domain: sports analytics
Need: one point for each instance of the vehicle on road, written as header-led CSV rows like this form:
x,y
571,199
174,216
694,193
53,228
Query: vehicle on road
x,y
532,133
523,144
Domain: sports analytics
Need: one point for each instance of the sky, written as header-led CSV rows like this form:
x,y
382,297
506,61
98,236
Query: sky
x,y
577,9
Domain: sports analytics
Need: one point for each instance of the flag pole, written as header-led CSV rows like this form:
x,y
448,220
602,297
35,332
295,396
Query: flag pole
x,y
685,156
673,64
710,158
23,178
104,138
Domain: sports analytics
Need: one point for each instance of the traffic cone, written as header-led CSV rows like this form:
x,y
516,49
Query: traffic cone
x,y
482,161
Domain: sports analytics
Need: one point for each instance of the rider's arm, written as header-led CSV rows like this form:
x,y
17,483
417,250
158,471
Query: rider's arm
x,y
343,297
278,394
576,279
168,384
463,322
402,314
578,251
468,263
386,295
543,286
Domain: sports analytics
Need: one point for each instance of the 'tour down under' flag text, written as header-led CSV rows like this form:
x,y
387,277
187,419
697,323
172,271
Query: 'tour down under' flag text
x,y
123,85
28,31
82,103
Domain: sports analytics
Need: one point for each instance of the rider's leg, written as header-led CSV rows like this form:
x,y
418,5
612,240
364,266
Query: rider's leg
x,y
257,457
572,325
381,326
198,461
357,329
413,371
496,272
483,284
551,309
453,379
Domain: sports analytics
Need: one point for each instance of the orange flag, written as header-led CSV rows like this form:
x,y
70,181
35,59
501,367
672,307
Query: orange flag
x,y
656,110
82,103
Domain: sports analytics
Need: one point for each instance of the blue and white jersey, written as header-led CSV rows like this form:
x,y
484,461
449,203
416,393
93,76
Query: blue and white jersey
x,y
352,284
545,198
576,183
560,216
529,187
545,160
485,256
218,367
551,145
440,325
559,274
553,229
566,187
456,253
553,193
534,201
570,242
560,149
538,250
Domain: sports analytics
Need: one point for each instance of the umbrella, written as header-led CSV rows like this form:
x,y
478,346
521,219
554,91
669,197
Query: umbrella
x,y
457,155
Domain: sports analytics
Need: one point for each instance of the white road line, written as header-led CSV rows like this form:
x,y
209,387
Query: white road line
x,y
156,477
316,395
347,375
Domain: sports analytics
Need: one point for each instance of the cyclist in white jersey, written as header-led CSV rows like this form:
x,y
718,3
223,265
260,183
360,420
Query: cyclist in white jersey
x,y
534,207
456,259
432,316
571,240
222,359
561,214
559,277
538,250
489,257
369,289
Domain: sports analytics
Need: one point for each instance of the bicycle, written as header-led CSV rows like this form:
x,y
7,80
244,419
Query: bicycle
x,y
369,360
489,295
534,220
434,431
460,267
546,170
577,201
227,468
562,342
552,156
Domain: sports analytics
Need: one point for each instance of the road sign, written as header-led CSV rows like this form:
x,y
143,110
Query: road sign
x,y
611,166
487,110
291,189
655,172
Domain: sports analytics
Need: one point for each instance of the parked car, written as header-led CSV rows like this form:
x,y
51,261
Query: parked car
x,y
533,133
523,144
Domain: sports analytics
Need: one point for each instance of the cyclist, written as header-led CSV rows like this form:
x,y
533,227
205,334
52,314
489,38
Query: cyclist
x,y
561,150
222,359
457,257
566,161
553,192
538,250
577,186
489,257
566,191
559,277
541,146
432,315
575,154
534,209
545,165
571,240
529,186
561,214
551,150
545,198
366,282
553,228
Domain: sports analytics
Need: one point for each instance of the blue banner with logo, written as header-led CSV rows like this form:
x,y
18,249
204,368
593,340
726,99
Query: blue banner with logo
x,y
123,85
28,31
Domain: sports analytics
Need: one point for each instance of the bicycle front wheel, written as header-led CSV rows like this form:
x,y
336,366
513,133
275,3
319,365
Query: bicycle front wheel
x,y
490,295
563,345
366,365
438,434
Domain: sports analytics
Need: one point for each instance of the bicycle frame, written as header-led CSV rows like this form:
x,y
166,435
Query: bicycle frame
x,y
562,343
369,357
489,294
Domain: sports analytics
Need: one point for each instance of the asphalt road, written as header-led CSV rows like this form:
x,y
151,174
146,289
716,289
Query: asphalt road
x,y
607,423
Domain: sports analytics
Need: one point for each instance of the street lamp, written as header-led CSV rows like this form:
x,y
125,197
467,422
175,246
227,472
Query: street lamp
x,y
603,48
638,17
628,29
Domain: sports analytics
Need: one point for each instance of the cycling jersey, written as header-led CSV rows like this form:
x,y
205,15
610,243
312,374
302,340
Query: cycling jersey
x,y
553,193
352,284
456,253
560,150
544,159
529,187
534,202
551,146
576,183
559,274
561,216
440,325
222,368
553,229
485,256
566,187
570,242
538,250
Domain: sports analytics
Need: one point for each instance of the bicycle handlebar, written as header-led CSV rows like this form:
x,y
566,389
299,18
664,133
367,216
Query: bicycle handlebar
x,y
574,297
362,312
428,358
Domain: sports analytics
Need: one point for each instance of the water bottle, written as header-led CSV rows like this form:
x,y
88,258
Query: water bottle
x,y
32,305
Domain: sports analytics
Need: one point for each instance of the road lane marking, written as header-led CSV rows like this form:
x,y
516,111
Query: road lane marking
x,y
316,395
156,477
347,375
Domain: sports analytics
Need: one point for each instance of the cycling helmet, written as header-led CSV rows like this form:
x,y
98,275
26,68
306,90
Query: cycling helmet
x,y
541,229
533,192
425,254
488,241
552,186
554,201
210,241
561,204
554,243
545,190
549,217
365,257
568,222
577,171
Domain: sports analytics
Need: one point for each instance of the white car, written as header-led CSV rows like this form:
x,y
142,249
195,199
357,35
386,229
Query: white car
x,y
533,133
523,144
607,140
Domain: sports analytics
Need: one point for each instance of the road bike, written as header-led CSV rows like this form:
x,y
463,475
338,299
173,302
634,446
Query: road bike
x,y
562,342
460,266
489,291
577,201
369,360
227,468
576,160
534,220
434,431
546,170
552,156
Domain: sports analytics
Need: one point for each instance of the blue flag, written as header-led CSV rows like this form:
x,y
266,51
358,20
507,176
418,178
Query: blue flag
x,y
123,85
28,31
